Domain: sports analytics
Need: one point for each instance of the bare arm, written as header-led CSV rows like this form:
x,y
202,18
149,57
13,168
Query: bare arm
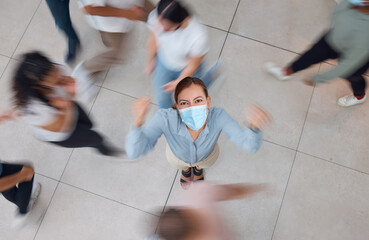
x,y
152,49
64,119
10,181
237,191
188,71
133,13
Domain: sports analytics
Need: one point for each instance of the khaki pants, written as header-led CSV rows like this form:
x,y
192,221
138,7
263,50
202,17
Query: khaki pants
x,y
115,42
180,164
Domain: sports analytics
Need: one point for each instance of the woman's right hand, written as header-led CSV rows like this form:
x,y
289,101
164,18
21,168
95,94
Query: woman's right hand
x,y
257,118
140,107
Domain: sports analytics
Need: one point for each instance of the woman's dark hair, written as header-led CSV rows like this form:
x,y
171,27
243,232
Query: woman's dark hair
x,y
31,71
186,83
172,10
174,225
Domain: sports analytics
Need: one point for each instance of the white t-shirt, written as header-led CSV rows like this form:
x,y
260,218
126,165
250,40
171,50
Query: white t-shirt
x,y
111,24
175,47
38,113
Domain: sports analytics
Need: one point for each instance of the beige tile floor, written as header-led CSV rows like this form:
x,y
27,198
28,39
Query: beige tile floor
x,y
315,153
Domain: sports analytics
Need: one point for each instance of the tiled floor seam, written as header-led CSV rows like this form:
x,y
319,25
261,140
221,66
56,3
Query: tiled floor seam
x,y
109,199
166,202
277,144
47,209
230,26
52,197
30,21
124,94
293,163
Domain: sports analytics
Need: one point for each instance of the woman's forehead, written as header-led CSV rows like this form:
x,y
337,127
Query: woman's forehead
x,y
192,92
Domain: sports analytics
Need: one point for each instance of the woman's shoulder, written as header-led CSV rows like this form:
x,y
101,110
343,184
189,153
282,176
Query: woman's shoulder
x,y
168,113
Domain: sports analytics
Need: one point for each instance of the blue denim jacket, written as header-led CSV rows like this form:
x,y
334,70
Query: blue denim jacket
x,y
140,141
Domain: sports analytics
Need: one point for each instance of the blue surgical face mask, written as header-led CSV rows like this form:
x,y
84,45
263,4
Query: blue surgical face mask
x,y
194,117
358,3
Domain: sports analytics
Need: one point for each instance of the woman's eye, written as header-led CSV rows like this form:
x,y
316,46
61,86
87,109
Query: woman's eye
x,y
198,101
183,103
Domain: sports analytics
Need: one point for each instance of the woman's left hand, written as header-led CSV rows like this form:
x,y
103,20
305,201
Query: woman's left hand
x,y
170,87
257,118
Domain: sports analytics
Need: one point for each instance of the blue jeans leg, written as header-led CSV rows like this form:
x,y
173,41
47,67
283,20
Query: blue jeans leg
x,y
60,11
161,76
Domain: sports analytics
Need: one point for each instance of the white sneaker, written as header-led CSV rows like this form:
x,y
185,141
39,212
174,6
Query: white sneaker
x,y
20,220
350,100
275,71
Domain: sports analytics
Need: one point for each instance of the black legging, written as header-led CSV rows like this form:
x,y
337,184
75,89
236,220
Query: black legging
x,y
322,51
20,195
84,136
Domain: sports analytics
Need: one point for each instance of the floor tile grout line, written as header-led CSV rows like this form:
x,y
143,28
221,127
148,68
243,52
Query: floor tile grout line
x,y
294,159
216,28
124,94
265,43
46,210
320,158
45,176
170,191
3,55
166,202
52,197
334,163
7,65
30,21
109,199
229,29
66,165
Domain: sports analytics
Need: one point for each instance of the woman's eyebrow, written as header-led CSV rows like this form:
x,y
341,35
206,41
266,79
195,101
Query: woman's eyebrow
x,y
197,97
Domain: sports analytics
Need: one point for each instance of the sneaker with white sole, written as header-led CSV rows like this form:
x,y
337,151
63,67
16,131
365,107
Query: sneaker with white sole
x,y
20,220
275,71
350,100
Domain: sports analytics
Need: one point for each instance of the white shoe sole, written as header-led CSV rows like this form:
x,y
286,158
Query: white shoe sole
x,y
275,71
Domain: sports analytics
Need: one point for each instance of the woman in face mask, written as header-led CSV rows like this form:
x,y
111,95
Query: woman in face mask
x,y
192,129
45,98
176,48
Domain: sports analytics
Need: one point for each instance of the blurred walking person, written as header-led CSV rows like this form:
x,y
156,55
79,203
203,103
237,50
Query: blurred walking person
x,y
348,41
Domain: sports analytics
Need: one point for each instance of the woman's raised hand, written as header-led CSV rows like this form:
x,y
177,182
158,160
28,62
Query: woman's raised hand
x,y
140,107
257,118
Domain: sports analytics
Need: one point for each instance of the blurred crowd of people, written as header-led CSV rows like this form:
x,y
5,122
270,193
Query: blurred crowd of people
x,y
52,103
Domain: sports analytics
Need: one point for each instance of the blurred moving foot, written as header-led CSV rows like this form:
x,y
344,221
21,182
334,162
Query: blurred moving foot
x,y
276,71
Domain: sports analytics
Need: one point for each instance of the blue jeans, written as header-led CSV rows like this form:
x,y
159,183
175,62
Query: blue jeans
x,y
163,75
60,11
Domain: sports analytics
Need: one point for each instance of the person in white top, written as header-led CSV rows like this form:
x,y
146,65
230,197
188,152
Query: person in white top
x,y
45,99
176,47
113,19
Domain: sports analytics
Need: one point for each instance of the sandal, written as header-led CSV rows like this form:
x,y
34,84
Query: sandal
x,y
187,174
198,173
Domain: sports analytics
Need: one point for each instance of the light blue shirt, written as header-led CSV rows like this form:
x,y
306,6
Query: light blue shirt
x,y
140,141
